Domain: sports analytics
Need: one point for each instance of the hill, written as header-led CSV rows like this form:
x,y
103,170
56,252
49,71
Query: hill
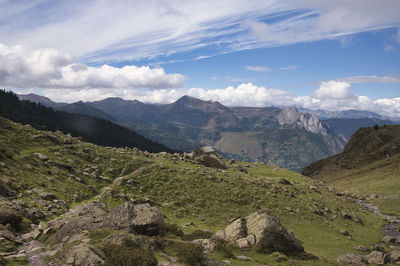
x,y
347,126
95,130
369,163
67,201
83,108
285,137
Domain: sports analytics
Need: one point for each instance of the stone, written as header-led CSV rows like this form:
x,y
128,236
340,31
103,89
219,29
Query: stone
x,y
244,258
42,156
141,219
389,239
31,235
84,255
284,181
207,244
344,232
211,161
243,243
270,233
237,229
377,257
9,217
352,259
60,165
395,255
362,248
251,239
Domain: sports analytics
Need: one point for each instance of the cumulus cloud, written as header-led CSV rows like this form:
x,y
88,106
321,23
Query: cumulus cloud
x,y
48,68
258,68
334,90
246,94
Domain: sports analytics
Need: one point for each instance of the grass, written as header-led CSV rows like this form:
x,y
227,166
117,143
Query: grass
x,y
191,196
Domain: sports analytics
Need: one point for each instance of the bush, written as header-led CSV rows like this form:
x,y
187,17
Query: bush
x,y
174,229
190,253
225,248
198,234
121,255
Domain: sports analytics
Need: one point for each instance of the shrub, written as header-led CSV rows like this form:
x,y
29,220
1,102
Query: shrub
x,y
225,248
121,255
190,253
174,229
198,234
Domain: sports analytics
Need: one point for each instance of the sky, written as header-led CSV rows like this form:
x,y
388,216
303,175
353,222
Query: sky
x,y
315,54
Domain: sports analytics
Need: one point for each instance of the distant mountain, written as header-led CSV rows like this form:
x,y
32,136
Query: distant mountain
x,y
86,109
40,99
348,126
285,137
369,163
91,129
348,114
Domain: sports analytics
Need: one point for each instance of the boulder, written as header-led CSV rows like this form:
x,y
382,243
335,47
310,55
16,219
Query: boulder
x,y
211,161
270,233
84,255
207,244
377,257
141,218
42,156
395,255
352,259
260,229
344,232
9,217
389,239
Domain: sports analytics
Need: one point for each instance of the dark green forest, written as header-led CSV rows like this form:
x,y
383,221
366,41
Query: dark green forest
x,y
91,129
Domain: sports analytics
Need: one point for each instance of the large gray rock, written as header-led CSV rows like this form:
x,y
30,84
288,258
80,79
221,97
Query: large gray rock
x,y
260,229
211,161
352,259
83,255
270,233
142,219
377,257
395,255
9,217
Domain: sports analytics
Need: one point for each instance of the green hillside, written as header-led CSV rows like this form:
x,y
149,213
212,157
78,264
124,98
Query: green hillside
x,y
44,174
370,163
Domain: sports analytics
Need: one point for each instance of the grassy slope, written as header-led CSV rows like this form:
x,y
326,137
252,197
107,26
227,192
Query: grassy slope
x,y
366,167
184,191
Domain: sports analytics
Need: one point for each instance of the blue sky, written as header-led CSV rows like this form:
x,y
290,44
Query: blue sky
x,y
335,55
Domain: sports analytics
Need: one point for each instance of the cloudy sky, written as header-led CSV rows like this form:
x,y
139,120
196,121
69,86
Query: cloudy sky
x,y
334,55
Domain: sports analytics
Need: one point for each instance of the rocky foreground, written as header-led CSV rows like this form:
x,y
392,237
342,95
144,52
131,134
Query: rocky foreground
x,y
64,201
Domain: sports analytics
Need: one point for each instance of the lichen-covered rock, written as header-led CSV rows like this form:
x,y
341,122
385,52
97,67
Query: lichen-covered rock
x,y
211,161
352,259
236,230
270,233
395,255
377,257
141,218
83,255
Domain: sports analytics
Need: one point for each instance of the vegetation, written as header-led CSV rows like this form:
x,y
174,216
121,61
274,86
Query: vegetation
x,y
195,198
95,130
190,253
125,256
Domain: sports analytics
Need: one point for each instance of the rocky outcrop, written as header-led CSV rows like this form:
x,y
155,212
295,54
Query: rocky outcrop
x,y
84,255
9,217
142,219
260,229
310,122
352,259
211,161
377,257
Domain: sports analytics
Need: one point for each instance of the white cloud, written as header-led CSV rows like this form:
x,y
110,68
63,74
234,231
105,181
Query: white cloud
x,y
258,68
246,94
289,68
334,90
48,68
99,30
395,78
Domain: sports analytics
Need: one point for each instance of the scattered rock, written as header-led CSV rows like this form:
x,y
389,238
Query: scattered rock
x,y
236,230
42,156
377,257
389,239
284,181
243,243
395,255
207,244
352,259
83,254
362,248
244,258
61,165
211,161
31,235
344,232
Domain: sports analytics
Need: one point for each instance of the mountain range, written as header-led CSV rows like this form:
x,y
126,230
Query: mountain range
x,y
282,136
